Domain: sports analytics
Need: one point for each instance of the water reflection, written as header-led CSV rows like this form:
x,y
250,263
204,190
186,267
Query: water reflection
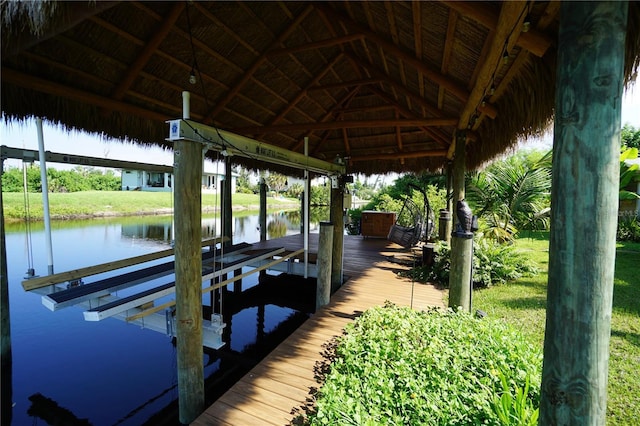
x,y
111,372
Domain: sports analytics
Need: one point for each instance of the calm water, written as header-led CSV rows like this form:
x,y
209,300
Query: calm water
x,y
111,372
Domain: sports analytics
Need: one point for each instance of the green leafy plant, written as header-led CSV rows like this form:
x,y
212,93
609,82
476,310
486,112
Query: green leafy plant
x,y
493,264
395,365
628,227
516,410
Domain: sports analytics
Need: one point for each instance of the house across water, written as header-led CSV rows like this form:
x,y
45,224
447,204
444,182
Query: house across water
x,y
161,181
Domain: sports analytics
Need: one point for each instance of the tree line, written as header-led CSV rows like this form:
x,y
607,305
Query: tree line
x,y
75,180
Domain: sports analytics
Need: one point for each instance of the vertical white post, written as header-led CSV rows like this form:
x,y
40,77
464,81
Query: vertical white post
x,y
186,105
45,195
307,188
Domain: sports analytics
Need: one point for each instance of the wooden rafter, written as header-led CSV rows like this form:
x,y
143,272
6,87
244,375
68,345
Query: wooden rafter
x,y
510,15
213,18
398,155
433,132
534,41
148,51
299,127
448,49
346,84
329,114
222,103
292,103
416,10
406,56
393,30
315,45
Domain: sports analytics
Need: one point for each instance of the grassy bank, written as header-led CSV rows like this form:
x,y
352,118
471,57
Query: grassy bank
x,y
122,203
523,305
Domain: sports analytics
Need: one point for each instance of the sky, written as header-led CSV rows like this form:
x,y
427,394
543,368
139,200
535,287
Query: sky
x,y
24,135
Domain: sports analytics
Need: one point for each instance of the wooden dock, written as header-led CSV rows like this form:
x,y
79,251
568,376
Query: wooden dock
x,y
281,382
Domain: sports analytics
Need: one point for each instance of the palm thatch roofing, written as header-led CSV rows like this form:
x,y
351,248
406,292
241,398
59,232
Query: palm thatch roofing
x,y
384,85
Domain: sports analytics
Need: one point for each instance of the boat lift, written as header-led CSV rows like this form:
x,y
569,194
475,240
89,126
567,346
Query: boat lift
x,y
100,301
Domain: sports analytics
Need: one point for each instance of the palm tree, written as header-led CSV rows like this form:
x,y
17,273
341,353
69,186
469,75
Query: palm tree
x,y
513,194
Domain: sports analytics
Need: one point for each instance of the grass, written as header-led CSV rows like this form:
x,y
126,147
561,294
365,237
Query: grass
x,y
121,203
522,304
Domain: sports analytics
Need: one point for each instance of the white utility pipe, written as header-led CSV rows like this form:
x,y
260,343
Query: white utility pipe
x,y
186,105
45,195
307,188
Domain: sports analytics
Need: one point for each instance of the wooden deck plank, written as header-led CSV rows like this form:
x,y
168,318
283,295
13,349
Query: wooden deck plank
x,y
281,382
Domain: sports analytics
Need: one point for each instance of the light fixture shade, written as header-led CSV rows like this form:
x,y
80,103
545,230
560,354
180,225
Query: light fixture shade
x,y
192,77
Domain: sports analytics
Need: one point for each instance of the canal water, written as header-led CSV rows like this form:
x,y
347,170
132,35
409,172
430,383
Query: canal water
x,y
71,371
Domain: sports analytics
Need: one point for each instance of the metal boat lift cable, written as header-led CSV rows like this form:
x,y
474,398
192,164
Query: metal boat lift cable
x,y
27,220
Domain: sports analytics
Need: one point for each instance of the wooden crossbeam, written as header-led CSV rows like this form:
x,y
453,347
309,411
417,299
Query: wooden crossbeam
x,y
399,155
352,124
315,45
534,40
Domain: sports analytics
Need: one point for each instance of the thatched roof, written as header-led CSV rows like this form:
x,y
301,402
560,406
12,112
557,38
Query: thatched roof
x,y
383,84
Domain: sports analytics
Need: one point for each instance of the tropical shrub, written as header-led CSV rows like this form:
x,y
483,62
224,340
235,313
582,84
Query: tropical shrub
x,y
493,264
628,227
513,194
398,366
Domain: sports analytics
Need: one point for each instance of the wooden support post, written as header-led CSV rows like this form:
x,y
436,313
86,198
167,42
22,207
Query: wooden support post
x,y
336,216
6,372
325,244
227,206
188,215
461,248
262,220
584,197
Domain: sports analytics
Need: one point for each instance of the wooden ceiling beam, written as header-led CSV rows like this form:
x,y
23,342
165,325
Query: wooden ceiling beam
x,y
148,50
213,18
533,40
400,155
65,92
321,44
448,49
365,109
344,102
404,55
433,132
222,103
416,10
510,15
435,76
352,124
331,113
292,103
346,84
376,73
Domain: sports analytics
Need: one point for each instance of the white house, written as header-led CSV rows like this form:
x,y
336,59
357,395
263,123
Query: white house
x,y
143,180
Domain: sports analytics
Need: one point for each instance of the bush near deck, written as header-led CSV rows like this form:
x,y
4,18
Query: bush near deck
x,y
395,365
521,304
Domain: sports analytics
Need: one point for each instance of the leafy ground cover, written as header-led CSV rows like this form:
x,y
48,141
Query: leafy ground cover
x,y
395,365
120,203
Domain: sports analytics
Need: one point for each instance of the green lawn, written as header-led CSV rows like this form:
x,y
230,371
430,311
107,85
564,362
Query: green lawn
x,y
101,203
523,303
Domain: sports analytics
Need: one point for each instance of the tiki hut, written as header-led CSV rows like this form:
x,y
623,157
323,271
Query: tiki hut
x,y
389,86
382,85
